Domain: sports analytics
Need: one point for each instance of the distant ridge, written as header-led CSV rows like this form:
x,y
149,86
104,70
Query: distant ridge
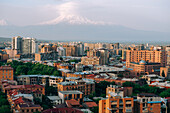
x,y
4,39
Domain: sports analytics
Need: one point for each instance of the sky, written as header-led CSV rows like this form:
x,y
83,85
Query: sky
x,y
151,15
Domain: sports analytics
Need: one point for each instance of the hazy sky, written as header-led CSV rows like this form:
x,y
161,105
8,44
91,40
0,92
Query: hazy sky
x,y
151,15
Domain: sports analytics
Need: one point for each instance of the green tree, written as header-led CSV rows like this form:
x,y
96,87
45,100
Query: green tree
x,y
165,93
5,109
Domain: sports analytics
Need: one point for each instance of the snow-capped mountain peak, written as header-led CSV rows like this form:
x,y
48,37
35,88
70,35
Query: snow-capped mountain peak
x,y
72,19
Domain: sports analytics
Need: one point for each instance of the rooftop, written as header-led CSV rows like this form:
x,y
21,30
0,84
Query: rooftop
x,y
71,92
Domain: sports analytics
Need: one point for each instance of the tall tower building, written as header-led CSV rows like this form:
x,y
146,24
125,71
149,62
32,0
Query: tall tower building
x,y
17,43
25,45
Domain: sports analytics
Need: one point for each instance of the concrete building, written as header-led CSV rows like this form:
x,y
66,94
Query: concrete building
x,y
90,60
116,104
6,73
11,52
122,91
166,71
46,56
102,54
155,56
147,103
145,61
17,43
168,55
25,45
79,67
69,95
55,100
86,86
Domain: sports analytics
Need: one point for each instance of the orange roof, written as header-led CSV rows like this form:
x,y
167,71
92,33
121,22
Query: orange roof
x,y
91,104
72,102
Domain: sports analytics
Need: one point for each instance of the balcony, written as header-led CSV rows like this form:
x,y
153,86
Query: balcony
x,y
113,103
128,102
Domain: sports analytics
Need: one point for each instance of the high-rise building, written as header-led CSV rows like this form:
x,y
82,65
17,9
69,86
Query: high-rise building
x,y
145,61
116,46
155,56
71,50
17,43
25,45
102,54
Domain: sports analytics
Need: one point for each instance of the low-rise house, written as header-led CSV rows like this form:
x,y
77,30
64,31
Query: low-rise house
x,y
55,100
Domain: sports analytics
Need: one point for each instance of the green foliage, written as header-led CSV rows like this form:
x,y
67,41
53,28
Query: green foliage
x,y
4,105
101,88
143,89
5,109
120,75
76,61
45,103
165,93
50,90
95,109
21,68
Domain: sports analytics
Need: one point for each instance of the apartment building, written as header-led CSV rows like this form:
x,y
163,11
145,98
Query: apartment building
x,y
69,95
46,56
150,56
122,91
116,104
90,60
86,86
147,103
22,103
39,79
6,73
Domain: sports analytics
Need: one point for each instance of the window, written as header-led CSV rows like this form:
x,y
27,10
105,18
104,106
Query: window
x,y
6,76
151,109
151,99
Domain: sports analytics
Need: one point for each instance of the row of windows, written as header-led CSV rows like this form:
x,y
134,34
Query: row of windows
x,y
28,110
6,74
7,77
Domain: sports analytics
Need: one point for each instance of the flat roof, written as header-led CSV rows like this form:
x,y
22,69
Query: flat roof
x,y
71,92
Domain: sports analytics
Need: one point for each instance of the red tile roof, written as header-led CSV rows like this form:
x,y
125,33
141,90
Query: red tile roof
x,y
90,104
33,86
62,110
18,100
72,102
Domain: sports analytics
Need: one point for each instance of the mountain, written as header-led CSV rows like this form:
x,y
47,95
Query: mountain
x,y
73,19
73,27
